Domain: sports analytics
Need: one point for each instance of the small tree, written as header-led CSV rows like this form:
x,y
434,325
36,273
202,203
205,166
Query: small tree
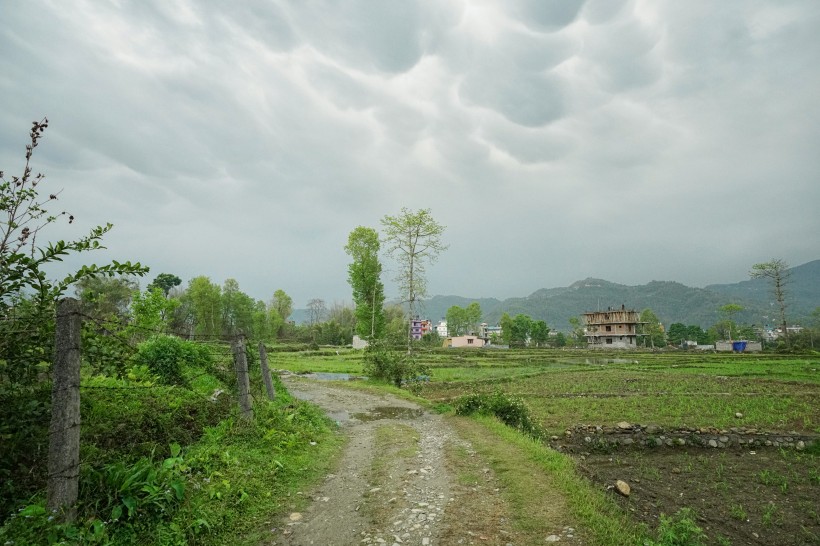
x,y
23,214
27,295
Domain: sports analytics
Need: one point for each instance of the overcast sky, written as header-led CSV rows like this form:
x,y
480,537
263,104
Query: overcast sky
x,y
631,141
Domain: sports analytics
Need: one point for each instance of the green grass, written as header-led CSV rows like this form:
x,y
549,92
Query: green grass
x,y
535,477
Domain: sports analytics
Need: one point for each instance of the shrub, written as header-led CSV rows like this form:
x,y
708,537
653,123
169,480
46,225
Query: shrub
x,y
166,356
511,410
383,362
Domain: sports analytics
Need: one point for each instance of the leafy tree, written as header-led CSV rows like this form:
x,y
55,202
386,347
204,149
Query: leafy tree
x,y
205,298
539,333
560,340
472,315
456,321
521,330
396,322
578,337
282,303
653,329
150,312
506,324
104,297
237,310
677,333
778,274
413,239
364,276
165,282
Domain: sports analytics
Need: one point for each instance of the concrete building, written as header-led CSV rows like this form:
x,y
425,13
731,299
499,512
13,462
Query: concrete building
x,y
463,341
441,328
419,327
612,329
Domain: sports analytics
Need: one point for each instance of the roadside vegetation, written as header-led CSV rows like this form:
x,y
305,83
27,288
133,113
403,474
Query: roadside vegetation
x,y
679,495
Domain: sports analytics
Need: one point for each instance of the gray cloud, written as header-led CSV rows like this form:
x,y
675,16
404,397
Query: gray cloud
x,y
627,140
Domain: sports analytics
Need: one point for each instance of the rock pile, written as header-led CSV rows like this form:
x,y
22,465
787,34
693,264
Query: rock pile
x,y
592,437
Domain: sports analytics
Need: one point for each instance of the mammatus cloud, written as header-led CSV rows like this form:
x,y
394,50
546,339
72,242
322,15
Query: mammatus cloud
x,y
629,140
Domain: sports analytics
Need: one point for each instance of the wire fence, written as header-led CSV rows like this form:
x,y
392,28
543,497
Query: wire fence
x,y
71,328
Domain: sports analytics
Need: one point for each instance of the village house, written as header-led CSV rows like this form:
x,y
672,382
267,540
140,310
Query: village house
x,y
612,329
463,341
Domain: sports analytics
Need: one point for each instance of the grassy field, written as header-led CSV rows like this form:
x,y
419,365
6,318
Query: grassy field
x,y
737,496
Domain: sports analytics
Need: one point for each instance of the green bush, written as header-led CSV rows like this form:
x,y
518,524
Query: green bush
x,y
511,410
166,356
383,362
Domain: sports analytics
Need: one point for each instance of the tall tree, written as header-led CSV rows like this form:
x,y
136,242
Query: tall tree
x,y
472,315
282,303
206,306
237,310
104,297
413,239
456,321
539,333
778,274
364,276
652,327
165,282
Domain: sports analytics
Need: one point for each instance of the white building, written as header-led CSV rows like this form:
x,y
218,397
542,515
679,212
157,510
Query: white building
x,y
441,328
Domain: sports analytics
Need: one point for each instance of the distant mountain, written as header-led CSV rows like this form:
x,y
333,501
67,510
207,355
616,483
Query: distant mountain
x,y
670,301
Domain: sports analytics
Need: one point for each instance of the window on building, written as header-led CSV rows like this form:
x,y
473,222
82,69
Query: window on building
x,y
609,340
469,341
609,328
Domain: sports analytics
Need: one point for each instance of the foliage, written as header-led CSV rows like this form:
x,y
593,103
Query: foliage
x,y
364,276
282,303
511,410
150,312
539,333
653,328
679,529
237,310
27,296
166,356
23,214
463,320
105,298
205,298
165,282
385,363
412,239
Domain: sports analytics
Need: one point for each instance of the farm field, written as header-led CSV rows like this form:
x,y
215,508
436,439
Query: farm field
x,y
741,494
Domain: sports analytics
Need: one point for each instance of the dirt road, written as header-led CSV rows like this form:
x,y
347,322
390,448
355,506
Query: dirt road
x,y
411,477
392,485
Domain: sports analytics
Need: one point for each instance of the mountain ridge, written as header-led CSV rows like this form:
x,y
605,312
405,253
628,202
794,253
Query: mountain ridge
x,y
671,301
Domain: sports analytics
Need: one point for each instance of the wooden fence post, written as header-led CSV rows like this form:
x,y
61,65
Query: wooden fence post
x,y
243,382
263,360
64,431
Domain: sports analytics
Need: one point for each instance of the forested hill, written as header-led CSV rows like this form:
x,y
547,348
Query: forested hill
x,y
671,301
